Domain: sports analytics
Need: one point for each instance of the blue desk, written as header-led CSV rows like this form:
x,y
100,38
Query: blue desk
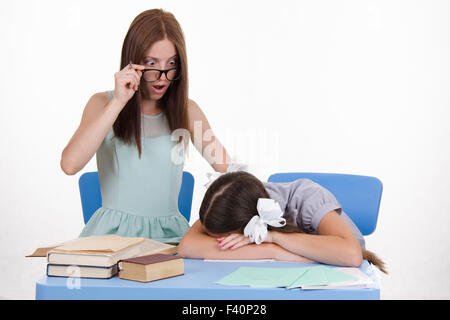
x,y
197,283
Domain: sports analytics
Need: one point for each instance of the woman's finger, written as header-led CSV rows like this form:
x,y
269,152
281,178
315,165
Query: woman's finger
x,y
135,76
128,80
132,66
129,76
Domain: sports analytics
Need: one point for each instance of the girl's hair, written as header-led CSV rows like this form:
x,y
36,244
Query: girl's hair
x,y
230,202
147,28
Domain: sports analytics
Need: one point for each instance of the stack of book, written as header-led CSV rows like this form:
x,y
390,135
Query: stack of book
x,y
97,256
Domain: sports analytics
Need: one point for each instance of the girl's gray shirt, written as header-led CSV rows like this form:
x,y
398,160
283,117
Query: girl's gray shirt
x,y
306,203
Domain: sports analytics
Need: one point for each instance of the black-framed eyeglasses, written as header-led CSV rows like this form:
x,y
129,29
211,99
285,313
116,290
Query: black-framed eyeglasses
x,y
152,75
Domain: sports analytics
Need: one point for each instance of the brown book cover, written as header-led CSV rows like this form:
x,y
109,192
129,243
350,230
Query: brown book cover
x,y
151,267
151,258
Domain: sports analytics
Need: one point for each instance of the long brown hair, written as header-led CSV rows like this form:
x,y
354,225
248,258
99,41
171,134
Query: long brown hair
x,y
230,202
147,28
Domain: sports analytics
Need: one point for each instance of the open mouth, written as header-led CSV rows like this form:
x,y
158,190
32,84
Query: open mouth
x,y
158,88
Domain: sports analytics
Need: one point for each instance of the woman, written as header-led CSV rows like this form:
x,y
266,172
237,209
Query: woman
x,y
131,131
295,221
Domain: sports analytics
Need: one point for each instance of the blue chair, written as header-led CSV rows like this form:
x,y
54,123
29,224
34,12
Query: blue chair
x,y
91,198
359,196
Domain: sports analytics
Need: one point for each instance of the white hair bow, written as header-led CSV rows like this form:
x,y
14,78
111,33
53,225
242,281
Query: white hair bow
x,y
269,213
232,167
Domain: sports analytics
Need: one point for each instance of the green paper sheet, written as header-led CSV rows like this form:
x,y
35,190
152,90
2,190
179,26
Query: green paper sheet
x,y
284,277
338,276
262,277
320,276
314,276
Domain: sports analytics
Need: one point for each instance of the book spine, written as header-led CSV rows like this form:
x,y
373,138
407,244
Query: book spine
x,y
81,272
80,265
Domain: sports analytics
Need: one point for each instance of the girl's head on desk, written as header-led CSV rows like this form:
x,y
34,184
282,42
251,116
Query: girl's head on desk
x,y
239,203
231,202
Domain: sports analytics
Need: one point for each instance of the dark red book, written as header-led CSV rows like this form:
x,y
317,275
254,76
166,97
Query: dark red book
x,y
151,267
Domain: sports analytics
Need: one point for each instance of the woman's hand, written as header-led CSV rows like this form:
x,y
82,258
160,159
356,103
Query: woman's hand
x,y
126,82
233,241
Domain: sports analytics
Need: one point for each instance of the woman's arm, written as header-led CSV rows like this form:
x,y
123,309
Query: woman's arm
x,y
98,118
334,244
196,243
204,140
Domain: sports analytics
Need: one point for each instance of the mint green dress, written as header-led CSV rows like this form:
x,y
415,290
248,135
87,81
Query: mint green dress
x,y
140,195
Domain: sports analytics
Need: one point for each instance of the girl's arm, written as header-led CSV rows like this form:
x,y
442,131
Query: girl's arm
x,y
334,244
204,140
196,243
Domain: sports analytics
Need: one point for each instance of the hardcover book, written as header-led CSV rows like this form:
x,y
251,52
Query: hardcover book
x,y
151,267
60,270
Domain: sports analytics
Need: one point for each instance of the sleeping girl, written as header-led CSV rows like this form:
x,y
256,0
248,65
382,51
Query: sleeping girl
x,y
300,221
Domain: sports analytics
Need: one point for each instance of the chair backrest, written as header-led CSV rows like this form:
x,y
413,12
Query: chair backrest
x,y
359,196
91,198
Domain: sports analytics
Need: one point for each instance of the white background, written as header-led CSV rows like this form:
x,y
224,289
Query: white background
x,y
359,87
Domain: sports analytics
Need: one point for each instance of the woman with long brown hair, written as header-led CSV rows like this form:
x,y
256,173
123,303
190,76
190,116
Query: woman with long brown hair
x,y
242,217
132,132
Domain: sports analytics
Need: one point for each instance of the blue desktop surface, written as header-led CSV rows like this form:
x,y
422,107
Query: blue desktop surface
x,y
197,283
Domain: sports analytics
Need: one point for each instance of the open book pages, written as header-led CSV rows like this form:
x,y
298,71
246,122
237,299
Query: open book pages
x,y
109,254
145,247
105,243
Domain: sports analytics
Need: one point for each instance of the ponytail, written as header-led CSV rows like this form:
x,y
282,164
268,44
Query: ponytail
x,y
373,259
